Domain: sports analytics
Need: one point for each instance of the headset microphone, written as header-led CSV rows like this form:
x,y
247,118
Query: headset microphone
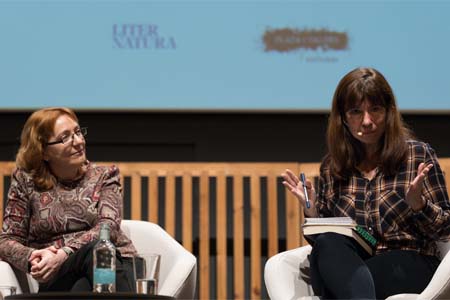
x,y
359,133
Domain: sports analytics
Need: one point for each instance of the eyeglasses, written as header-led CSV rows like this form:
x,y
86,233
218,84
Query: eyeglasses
x,y
68,138
357,114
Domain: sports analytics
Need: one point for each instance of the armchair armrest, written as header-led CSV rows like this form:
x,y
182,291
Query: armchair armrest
x,y
8,276
286,275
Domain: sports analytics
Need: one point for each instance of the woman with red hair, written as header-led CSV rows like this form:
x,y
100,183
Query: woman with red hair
x,y
57,202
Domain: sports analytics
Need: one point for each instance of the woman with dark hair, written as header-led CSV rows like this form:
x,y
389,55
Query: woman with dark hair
x,y
388,183
57,202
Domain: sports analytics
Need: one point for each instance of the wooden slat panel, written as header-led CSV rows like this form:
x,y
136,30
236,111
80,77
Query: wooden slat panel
x,y
272,214
122,181
222,170
221,219
293,231
153,194
238,233
445,166
187,211
204,236
136,199
293,217
255,245
2,191
6,169
122,184
312,172
170,204
310,169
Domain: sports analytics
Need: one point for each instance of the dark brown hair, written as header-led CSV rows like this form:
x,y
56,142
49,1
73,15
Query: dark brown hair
x,y
344,151
35,135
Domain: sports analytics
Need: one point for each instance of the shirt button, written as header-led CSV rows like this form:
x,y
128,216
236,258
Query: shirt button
x,y
369,193
370,230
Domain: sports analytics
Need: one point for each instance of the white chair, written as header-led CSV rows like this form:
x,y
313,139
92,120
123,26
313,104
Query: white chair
x,y
178,271
286,276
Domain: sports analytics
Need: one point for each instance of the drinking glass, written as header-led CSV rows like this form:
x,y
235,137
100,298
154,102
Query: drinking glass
x,y
146,272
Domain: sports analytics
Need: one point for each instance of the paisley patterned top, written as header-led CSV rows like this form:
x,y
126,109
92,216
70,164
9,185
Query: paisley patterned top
x,y
68,215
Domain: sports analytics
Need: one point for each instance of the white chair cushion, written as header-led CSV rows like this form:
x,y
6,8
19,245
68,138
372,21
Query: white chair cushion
x,y
178,271
285,277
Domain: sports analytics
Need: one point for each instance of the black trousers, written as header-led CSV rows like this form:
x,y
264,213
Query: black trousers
x,y
76,273
342,269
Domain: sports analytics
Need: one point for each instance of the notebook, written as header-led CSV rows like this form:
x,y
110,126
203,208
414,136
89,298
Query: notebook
x,y
342,225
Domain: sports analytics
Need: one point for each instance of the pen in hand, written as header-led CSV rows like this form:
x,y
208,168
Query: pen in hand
x,y
302,178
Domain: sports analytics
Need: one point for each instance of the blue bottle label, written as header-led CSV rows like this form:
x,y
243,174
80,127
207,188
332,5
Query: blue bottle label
x,y
104,276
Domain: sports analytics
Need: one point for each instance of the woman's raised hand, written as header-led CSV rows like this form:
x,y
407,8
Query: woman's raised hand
x,y
295,186
414,193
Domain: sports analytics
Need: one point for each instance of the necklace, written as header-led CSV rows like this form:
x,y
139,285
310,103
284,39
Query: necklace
x,y
69,185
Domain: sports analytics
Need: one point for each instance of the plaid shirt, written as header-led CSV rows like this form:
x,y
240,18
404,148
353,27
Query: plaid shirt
x,y
378,204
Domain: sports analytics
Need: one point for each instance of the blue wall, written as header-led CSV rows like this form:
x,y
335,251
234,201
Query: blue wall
x,y
218,55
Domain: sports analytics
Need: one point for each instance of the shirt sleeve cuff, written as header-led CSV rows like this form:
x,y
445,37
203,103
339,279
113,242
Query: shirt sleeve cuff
x,y
68,250
427,215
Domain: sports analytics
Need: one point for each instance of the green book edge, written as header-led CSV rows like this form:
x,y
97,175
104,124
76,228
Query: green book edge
x,y
366,236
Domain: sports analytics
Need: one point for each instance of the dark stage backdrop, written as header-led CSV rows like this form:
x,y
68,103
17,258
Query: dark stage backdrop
x,y
211,137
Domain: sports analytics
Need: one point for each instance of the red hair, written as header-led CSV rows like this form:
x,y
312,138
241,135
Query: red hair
x,y
35,135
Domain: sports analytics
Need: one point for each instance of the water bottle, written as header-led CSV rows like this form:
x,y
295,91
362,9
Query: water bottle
x,y
104,263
